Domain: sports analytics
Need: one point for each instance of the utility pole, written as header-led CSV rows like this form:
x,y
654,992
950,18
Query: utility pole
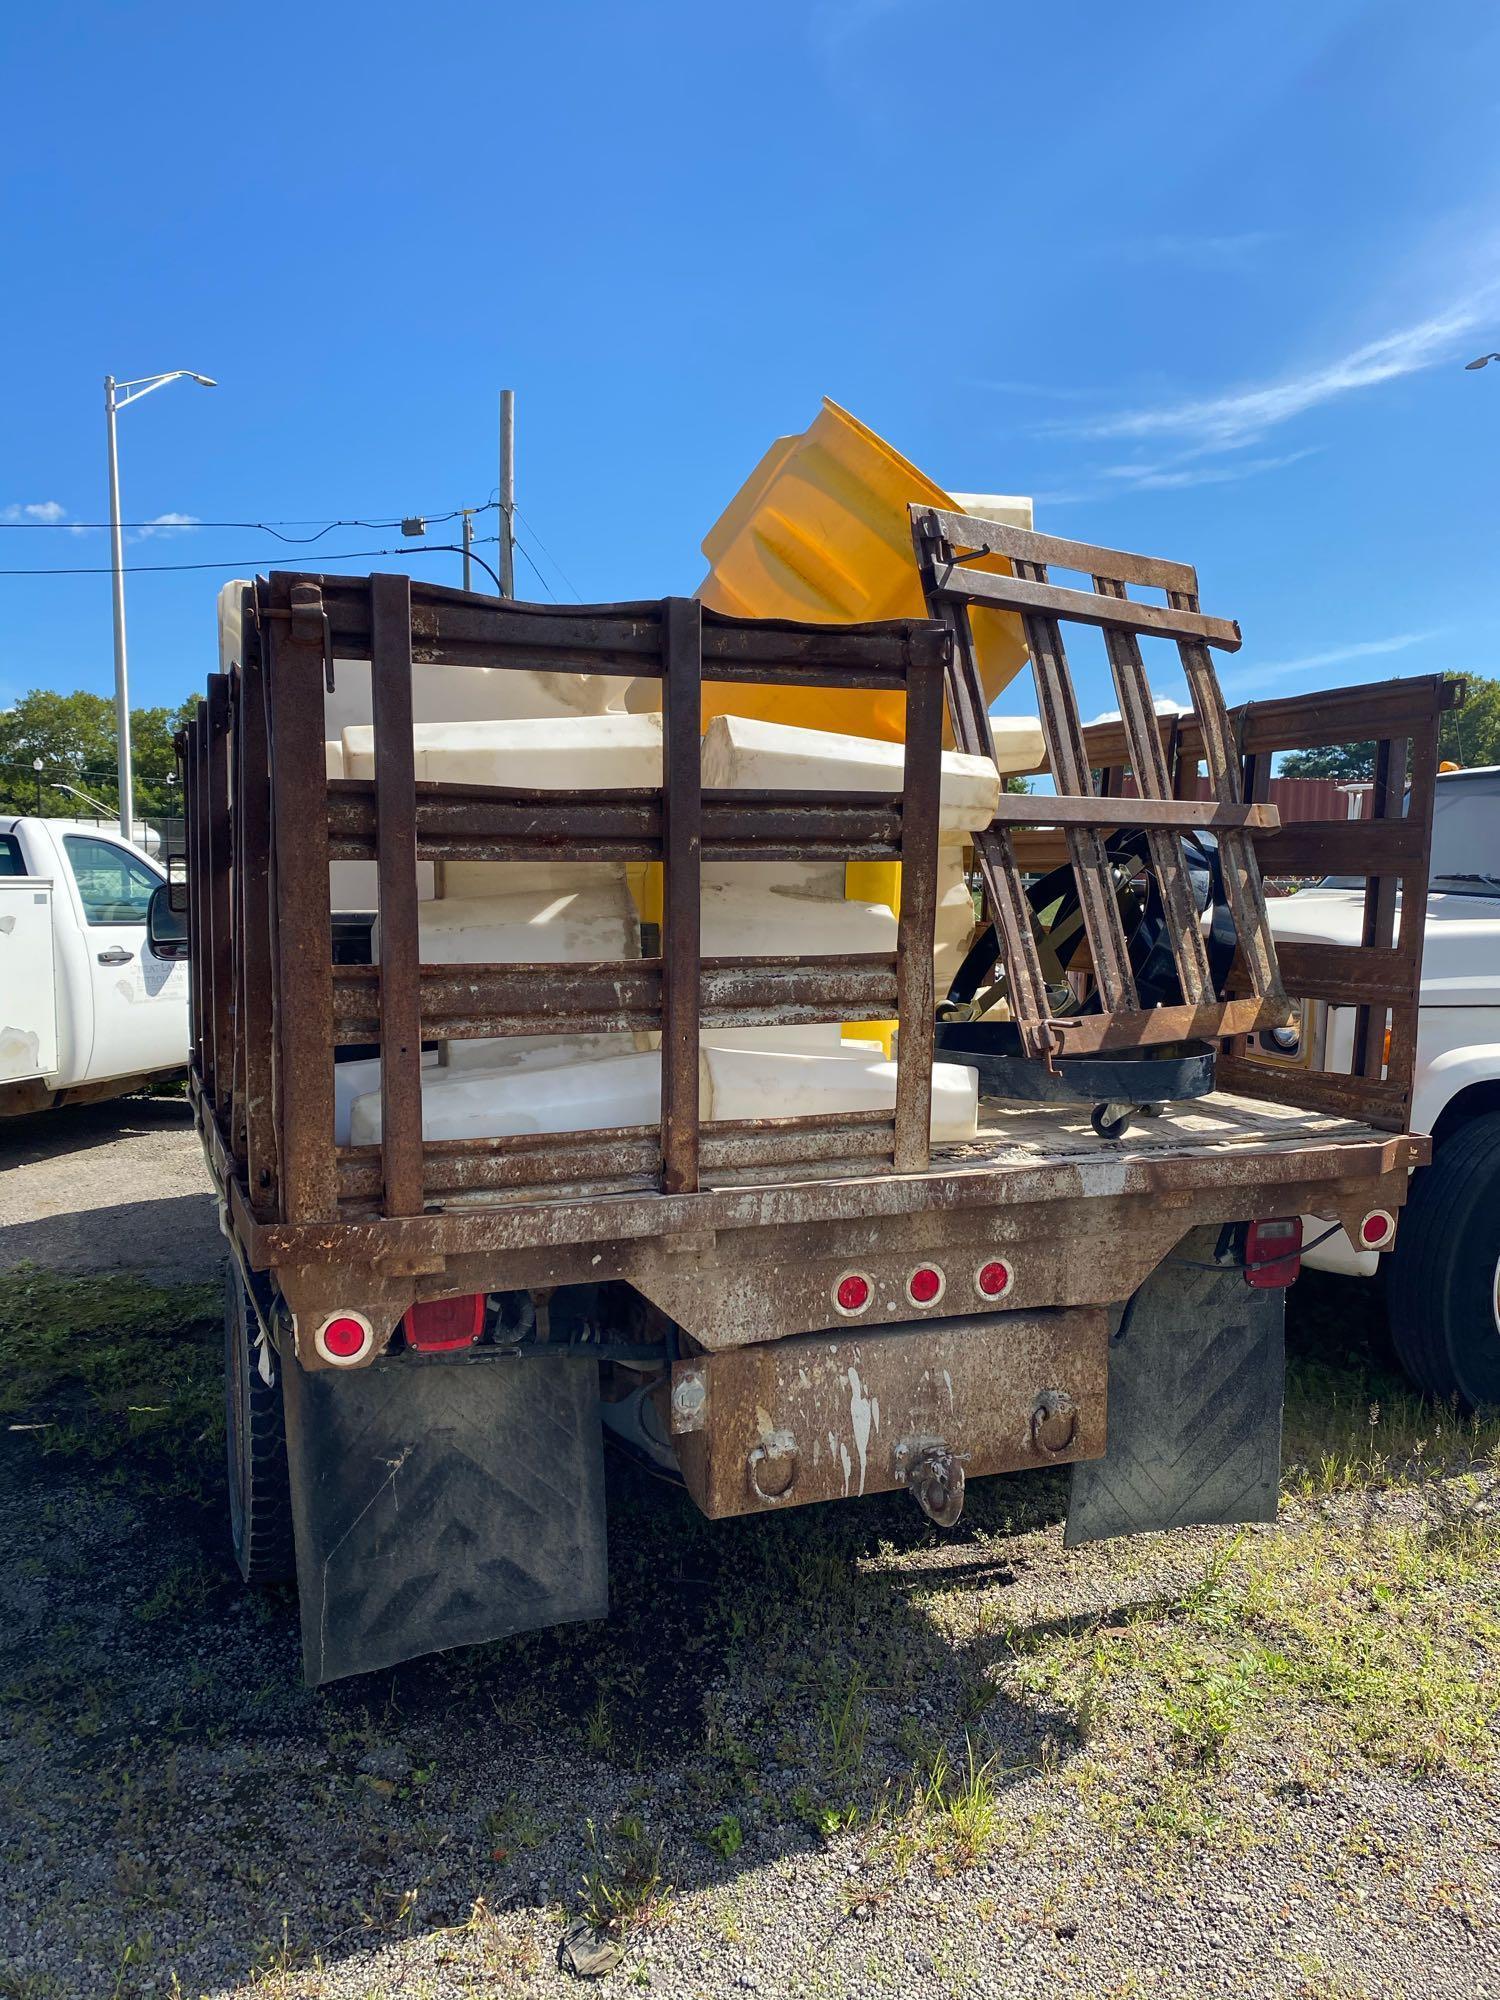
x,y
507,492
468,541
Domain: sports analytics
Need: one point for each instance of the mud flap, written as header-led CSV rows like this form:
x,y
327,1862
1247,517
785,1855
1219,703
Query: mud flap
x,y
443,1503
1197,1375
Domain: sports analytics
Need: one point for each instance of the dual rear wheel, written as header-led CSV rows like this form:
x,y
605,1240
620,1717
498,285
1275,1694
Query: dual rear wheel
x,y
1444,1293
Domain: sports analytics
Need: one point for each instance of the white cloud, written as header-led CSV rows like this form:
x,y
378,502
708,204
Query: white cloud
x,y
1164,705
1250,678
1205,252
48,512
164,524
1170,475
1242,416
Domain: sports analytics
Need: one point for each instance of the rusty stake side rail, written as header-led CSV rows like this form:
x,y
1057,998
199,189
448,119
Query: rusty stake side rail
x,y
1380,977
270,1006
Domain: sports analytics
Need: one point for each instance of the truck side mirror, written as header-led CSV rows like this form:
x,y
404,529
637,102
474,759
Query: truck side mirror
x,y
177,884
166,926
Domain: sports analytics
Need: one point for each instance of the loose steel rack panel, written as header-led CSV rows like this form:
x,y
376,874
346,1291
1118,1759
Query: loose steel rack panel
x,y
947,544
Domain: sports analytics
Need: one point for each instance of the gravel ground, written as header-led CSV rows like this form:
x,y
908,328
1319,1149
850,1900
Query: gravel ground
x,y
104,1187
829,1753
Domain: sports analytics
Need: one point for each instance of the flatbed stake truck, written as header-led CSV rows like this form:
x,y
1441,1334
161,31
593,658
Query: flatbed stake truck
x,y
421,1333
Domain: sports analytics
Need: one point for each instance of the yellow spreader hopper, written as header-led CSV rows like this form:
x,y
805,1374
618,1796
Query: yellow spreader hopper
x,y
820,530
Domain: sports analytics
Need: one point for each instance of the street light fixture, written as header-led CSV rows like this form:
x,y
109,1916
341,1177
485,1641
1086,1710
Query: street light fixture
x,y
117,396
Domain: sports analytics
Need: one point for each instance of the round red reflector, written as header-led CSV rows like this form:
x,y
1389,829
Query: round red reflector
x,y
993,1279
1375,1228
926,1285
344,1338
852,1293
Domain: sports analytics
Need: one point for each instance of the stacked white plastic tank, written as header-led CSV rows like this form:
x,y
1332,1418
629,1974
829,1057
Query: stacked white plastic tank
x,y
539,730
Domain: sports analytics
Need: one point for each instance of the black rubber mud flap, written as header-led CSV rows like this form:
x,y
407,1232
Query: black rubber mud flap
x,y
443,1503
1196,1383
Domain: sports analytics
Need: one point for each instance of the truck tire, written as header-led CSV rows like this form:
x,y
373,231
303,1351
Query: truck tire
x,y
1445,1271
260,1497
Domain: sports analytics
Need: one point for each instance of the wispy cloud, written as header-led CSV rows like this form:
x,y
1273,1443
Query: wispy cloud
x,y
165,524
1243,416
1205,252
1247,678
48,512
39,514
833,24
1170,475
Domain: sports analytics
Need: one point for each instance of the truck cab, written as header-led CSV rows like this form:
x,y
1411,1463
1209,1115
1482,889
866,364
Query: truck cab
x,y
88,1010
1444,1268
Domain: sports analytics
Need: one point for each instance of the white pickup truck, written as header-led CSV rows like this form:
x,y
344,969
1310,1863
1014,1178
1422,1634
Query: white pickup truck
x,y
87,1008
1444,1276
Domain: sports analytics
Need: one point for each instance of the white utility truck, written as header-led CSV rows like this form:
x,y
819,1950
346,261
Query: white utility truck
x,y
87,1008
1445,1264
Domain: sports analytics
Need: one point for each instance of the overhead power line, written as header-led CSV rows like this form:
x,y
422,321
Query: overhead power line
x,y
250,562
265,527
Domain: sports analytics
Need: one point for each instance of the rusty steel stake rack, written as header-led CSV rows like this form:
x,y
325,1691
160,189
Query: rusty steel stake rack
x,y
271,1006
946,543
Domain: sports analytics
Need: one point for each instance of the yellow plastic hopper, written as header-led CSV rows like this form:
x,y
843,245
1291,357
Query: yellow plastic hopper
x,y
820,530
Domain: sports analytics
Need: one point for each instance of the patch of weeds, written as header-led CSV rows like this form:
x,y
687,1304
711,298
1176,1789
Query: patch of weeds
x,y
514,1828
844,1726
827,1818
186,1591
958,1806
625,1891
727,1838
1332,1638
1353,1422
599,1729
102,1360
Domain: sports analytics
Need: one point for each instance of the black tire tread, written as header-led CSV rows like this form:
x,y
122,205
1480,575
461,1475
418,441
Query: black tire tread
x,y
1433,1237
263,1547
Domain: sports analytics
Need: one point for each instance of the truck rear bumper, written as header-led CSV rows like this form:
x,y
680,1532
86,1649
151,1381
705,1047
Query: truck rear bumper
x,y
831,1416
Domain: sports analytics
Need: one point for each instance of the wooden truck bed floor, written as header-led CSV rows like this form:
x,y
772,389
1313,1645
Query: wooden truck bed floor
x,y
1023,1154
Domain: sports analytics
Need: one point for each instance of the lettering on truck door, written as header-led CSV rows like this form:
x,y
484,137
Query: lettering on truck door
x,y
140,1000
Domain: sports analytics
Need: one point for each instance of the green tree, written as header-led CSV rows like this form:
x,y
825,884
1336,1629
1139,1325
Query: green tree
x,y
74,736
1469,736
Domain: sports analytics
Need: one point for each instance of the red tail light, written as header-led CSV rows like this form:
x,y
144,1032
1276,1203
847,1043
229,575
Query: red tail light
x,y
1377,1229
1273,1252
345,1339
853,1292
993,1278
438,1326
926,1285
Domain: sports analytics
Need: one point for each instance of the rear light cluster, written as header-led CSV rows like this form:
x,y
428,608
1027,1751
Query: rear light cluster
x,y
854,1292
1273,1252
435,1326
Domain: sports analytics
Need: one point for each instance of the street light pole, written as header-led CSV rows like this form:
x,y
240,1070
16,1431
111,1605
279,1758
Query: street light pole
x,y
117,395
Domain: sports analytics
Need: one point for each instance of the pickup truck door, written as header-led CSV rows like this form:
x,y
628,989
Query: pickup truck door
x,y
139,1000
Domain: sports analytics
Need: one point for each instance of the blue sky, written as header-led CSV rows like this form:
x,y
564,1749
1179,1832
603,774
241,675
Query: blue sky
x,y
1201,279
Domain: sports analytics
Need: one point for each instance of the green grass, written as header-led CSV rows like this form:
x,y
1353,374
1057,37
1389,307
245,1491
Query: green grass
x,y
1330,1640
625,1891
94,1363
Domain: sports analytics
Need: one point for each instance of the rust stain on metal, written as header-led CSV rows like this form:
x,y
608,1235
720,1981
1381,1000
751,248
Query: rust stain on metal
x,y
829,1416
